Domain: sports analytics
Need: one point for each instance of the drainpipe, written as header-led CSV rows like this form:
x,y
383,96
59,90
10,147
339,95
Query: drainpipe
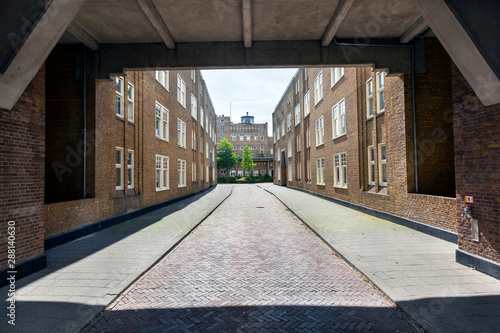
x,y
84,122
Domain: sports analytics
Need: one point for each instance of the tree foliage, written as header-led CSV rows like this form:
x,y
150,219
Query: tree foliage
x,y
247,161
226,158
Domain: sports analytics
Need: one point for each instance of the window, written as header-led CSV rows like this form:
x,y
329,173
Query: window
x,y
181,173
338,119
222,120
222,128
289,148
241,147
261,138
307,104
233,137
119,168
130,100
206,146
193,171
297,87
320,171
161,122
206,123
256,137
297,114
308,173
207,175
255,173
382,164
289,122
380,92
277,133
181,91
290,176
194,107
130,168
201,116
240,173
119,96
336,74
283,128
232,173
193,76
320,132
279,172
371,165
262,149
254,147
181,133
234,147
369,98
271,151
193,139
163,78
249,137
318,88
298,143
306,74
162,179
340,170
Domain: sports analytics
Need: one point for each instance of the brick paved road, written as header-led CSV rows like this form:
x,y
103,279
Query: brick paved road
x,y
251,267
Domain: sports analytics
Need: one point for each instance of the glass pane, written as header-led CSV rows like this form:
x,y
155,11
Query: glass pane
x,y
370,107
383,152
118,105
372,175
382,100
384,173
129,158
118,85
157,178
118,157
118,177
129,177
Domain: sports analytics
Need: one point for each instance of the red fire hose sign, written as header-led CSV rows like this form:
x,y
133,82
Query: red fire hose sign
x,y
469,199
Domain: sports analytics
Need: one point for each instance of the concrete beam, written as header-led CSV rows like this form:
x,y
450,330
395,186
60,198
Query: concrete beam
x,y
247,22
118,58
35,50
337,19
149,8
462,49
83,36
415,29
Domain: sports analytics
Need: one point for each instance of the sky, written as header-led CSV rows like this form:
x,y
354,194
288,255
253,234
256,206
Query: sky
x,y
256,91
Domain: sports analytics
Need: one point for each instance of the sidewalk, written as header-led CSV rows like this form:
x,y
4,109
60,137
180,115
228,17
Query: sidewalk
x,y
84,276
417,271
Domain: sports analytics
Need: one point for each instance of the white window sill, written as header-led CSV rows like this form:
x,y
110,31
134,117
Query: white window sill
x,y
369,117
162,189
119,188
341,135
130,187
162,139
320,184
181,186
380,112
337,186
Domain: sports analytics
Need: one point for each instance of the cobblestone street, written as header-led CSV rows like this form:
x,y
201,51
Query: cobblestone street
x,y
251,266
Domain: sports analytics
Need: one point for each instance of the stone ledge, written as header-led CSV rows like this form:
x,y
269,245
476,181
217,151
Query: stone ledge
x,y
483,265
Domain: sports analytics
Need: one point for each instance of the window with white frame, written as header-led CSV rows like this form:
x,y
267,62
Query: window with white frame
x,y
320,171
271,151
193,171
119,168
162,177
340,170
338,119
232,173
161,121
278,134
207,125
318,88
241,147
181,91
279,172
181,173
130,102
297,114
283,128
254,147
380,92
298,143
207,175
371,165
213,174
306,74
163,78
119,96
262,149
261,138
193,76
308,137
382,164
249,137
369,98
233,137
320,132
130,168
307,103
290,169
181,133
193,139
201,117
297,86
289,122
240,173
298,173
336,74
194,107
206,146
255,137
309,171
289,148
222,129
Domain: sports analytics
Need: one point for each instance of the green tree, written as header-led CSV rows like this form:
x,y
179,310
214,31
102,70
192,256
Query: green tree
x,y
247,161
226,158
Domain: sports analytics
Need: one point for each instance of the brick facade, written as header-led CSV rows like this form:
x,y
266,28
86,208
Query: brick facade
x,y
22,151
477,159
392,127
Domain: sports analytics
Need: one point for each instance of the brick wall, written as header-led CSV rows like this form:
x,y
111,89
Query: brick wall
x,y
477,159
22,151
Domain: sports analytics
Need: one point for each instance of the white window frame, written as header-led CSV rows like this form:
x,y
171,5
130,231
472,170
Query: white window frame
x,y
194,107
298,144
202,117
283,128
193,139
297,114
161,122
193,171
289,122
249,137
181,91
371,165
193,76
261,138
336,74
320,171
340,170
207,174
262,149
307,103
318,88
290,170
320,131
338,119
289,148
297,86
130,102
206,146
279,172
119,168
277,138
120,100
181,133
256,137
233,137
130,169
164,78
181,173
380,92
162,176
382,164
370,107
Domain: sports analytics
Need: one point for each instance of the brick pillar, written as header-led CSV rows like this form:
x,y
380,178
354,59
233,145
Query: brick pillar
x,y
22,154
